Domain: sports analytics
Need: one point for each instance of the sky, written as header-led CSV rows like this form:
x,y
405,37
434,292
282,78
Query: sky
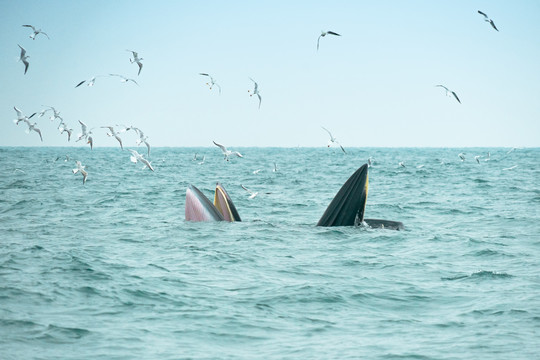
x,y
374,86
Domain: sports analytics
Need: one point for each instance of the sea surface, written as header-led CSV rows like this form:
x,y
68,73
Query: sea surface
x,y
111,269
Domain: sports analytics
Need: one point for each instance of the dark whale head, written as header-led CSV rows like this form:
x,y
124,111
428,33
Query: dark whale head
x,y
347,207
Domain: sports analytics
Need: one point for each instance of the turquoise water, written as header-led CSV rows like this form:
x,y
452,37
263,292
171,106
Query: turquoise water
x,y
111,270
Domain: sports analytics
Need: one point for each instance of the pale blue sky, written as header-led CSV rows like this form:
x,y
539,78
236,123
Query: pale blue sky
x,y
373,86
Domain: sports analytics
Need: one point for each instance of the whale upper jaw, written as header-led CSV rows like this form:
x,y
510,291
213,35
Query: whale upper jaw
x,y
347,207
199,208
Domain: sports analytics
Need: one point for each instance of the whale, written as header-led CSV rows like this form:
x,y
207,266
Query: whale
x,y
200,208
346,208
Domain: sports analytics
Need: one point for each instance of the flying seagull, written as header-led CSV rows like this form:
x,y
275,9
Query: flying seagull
x,y
23,58
477,158
89,82
63,128
142,139
212,82
56,113
333,140
138,157
86,134
136,59
124,79
80,168
323,34
114,134
252,194
487,19
36,32
21,116
448,92
32,127
256,91
227,153
462,156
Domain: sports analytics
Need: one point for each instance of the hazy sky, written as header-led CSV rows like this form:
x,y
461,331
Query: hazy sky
x,y
373,86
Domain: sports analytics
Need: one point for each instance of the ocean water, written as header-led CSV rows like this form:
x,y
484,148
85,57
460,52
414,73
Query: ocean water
x,y
111,270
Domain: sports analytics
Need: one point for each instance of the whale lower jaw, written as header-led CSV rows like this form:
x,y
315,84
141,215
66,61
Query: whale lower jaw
x,y
384,224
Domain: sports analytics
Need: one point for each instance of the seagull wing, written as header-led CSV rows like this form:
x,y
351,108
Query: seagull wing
x,y
444,87
26,64
19,112
39,132
23,51
140,67
260,100
481,13
30,26
332,33
204,74
41,32
328,131
493,24
223,148
342,148
318,39
455,95
79,84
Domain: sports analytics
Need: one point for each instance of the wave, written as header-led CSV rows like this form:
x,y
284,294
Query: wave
x,y
480,275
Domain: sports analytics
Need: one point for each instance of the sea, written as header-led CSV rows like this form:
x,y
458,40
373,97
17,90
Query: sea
x,y
110,269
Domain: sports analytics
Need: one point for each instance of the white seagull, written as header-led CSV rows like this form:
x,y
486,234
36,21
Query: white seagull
x,y
226,152
402,164
142,139
477,158
89,82
32,127
462,156
202,162
323,34
23,58
487,19
63,128
21,116
251,193
54,116
86,134
488,157
114,134
80,168
138,157
256,91
448,92
124,79
275,167
369,161
333,140
136,59
36,32
212,82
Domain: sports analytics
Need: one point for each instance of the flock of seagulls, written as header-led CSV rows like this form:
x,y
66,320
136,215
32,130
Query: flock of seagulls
x,y
86,133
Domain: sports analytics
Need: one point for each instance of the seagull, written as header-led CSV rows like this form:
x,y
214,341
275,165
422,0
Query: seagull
x,y
32,127
369,161
333,140
114,134
21,116
63,128
448,92
80,168
194,157
402,164
256,91
212,81
511,167
124,79
36,32
202,162
251,193
477,157
275,167
86,134
56,114
138,157
136,59
509,151
462,156
488,157
256,171
23,58
487,19
226,152
142,139
89,82
323,34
